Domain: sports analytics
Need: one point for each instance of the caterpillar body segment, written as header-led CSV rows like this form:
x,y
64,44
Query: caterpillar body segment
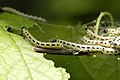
x,y
112,31
117,42
106,43
88,48
80,47
39,43
110,51
94,36
109,31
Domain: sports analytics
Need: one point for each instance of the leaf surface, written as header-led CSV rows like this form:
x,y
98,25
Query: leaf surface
x,y
18,61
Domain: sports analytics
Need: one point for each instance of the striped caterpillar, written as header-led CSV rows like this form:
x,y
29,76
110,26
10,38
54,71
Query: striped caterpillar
x,y
103,41
116,42
95,36
39,43
11,10
112,31
87,48
79,47
60,43
106,43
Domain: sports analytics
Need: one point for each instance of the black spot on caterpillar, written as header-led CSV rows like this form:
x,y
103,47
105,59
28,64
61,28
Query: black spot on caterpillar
x,y
112,31
80,47
89,48
105,43
117,42
39,43
110,51
95,36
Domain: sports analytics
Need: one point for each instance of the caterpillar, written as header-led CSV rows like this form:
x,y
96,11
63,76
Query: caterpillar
x,y
112,31
79,47
110,50
87,48
116,42
106,43
14,11
94,36
39,43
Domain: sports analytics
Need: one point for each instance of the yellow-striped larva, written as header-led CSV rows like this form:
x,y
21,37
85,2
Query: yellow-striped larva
x,y
110,51
39,43
94,36
11,10
88,48
80,47
112,31
106,43
116,42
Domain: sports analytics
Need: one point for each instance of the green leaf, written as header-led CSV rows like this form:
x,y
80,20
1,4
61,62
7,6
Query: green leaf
x,y
101,67
18,61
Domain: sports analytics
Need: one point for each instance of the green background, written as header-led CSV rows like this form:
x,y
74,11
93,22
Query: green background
x,y
72,12
65,11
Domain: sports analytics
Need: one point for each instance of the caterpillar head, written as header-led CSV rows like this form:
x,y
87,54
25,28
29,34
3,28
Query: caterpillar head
x,y
105,30
23,28
53,40
8,28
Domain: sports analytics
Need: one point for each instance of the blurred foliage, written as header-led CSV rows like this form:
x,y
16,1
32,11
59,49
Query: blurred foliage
x,y
65,11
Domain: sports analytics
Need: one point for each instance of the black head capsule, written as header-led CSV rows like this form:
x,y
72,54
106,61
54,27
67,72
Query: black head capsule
x,y
54,40
8,28
105,30
23,28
